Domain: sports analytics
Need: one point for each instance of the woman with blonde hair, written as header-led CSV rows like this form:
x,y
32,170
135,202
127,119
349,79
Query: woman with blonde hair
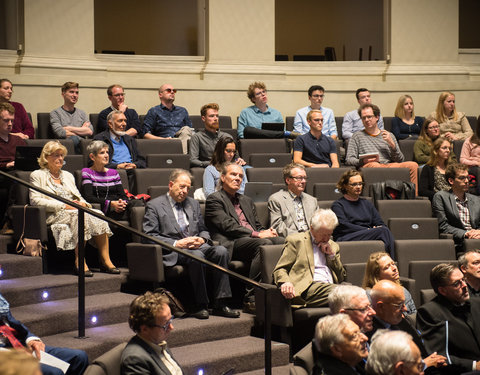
x,y
380,266
63,218
405,124
432,178
423,146
453,125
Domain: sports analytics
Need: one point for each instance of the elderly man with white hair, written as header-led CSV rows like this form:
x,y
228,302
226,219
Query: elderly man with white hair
x,y
353,301
392,353
310,264
339,346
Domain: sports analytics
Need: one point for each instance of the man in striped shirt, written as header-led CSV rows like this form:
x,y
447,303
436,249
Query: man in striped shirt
x,y
373,147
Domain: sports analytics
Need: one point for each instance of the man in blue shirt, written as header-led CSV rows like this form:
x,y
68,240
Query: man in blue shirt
x,y
315,149
352,122
167,120
251,118
116,95
316,94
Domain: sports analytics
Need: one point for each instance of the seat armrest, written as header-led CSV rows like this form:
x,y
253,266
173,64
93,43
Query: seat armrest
x,y
280,307
446,236
35,222
145,262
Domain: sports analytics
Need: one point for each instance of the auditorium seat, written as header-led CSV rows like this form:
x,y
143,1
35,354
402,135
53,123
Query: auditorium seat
x,y
262,213
358,251
419,270
457,147
43,126
271,160
297,325
406,146
413,250
108,363
387,122
372,175
339,123
273,175
409,219
93,117
265,146
289,122
326,191
144,178
225,122
159,146
168,161
68,143
323,175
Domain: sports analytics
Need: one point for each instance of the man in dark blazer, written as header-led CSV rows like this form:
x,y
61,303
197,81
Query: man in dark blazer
x,y
122,148
77,359
388,301
450,323
232,219
340,346
147,352
176,219
458,212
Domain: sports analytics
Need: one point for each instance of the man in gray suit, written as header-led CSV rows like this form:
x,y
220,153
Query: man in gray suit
x,y
458,212
146,352
291,210
175,218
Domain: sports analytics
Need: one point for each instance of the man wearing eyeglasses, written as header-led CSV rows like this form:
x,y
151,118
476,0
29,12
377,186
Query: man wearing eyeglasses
x,y
470,266
314,149
450,323
373,147
291,209
316,95
458,212
388,301
147,352
116,95
167,120
394,353
353,301
251,118
339,346
352,121
176,219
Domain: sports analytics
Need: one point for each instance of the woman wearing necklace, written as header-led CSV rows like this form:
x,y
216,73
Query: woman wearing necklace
x,y
432,178
104,186
62,218
405,124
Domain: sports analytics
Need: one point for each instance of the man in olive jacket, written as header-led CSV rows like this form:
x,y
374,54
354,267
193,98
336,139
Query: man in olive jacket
x,y
310,264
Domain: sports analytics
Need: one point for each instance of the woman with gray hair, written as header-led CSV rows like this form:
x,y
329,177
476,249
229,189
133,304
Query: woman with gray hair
x,y
104,186
63,218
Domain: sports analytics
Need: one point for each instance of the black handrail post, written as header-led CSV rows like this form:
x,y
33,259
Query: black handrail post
x,y
81,274
268,333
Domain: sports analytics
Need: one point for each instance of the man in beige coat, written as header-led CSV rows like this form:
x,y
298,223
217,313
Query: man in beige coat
x,y
310,264
291,209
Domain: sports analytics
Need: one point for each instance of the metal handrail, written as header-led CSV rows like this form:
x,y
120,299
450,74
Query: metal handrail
x,y
81,271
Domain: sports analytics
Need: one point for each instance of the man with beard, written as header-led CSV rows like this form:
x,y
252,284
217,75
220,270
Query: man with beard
x,y
122,148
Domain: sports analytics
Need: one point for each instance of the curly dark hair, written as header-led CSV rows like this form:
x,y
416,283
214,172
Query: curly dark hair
x,y
144,308
343,182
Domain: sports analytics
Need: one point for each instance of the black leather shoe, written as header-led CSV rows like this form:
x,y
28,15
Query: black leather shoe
x,y
88,273
226,312
113,270
201,314
249,308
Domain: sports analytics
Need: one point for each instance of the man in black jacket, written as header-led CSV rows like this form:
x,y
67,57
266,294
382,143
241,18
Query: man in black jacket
x,y
122,148
232,220
340,347
450,323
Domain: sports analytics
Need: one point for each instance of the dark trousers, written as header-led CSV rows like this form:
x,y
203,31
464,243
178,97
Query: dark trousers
x,y
77,358
251,132
247,249
196,271
379,233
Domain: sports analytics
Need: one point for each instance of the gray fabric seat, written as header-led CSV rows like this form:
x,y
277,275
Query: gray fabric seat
x,y
108,363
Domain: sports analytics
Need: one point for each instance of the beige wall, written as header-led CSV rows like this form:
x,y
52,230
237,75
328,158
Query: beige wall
x,y
151,27
63,50
306,27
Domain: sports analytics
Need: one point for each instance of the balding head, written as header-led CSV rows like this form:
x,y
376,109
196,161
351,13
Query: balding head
x,y
388,300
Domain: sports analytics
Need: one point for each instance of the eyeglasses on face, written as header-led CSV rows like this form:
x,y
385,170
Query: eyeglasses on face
x,y
166,326
398,305
230,151
362,310
260,93
458,283
170,90
299,178
318,96
119,94
419,365
369,117
355,184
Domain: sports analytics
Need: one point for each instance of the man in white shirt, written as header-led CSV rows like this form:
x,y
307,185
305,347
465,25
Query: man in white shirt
x,y
316,95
